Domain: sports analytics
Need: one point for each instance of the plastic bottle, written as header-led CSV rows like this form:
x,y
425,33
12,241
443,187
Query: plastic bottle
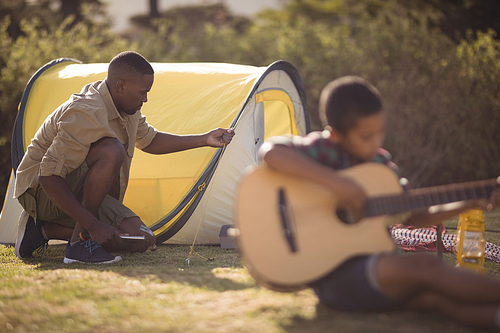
x,y
470,244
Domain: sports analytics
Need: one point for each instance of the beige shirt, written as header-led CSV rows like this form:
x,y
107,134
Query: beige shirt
x,y
63,141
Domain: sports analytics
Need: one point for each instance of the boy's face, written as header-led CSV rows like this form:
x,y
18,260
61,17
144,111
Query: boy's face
x,y
363,141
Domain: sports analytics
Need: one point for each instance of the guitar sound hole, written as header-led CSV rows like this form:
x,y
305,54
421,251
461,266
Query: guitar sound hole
x,y
344,216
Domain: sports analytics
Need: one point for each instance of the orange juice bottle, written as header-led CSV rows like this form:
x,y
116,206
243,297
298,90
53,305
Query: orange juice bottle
x,y
470,244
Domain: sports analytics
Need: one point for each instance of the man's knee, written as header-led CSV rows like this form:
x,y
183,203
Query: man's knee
x,y
110,149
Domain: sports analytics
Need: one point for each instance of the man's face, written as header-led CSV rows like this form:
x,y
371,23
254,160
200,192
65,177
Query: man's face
x,y
133,93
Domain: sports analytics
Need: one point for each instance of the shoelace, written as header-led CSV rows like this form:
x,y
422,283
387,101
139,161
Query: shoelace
x,y
43,246
90,245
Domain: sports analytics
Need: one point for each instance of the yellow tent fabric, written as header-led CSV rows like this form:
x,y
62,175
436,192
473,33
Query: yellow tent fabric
x,y
169,191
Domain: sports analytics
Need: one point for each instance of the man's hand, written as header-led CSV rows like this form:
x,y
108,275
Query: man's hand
x,y
105,235
150,236
219,137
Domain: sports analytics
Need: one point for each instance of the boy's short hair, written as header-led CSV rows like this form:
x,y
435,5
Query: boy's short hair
x,y
346,99
130,62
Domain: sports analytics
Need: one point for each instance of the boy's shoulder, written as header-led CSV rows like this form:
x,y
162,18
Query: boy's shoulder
x,y
383,156
318,146
312,138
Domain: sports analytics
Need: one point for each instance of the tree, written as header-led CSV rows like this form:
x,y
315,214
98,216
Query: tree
x,y
153,9
72,8
49,13
37,43
460,16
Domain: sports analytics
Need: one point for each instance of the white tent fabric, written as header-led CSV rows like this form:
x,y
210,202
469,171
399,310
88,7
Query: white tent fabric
x,y
9,215
216,208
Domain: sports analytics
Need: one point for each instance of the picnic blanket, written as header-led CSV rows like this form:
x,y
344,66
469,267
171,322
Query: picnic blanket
x,y
424,239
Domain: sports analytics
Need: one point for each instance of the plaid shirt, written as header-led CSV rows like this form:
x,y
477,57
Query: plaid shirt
x,y
318,146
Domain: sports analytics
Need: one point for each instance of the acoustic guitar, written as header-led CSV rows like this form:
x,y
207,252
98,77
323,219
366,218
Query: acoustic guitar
x,y
291,232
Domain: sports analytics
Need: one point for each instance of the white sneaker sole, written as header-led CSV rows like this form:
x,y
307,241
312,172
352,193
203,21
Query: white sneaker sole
x,y
21,228
70,261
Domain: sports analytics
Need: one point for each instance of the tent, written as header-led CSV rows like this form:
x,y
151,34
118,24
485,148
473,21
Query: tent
x,y
186,195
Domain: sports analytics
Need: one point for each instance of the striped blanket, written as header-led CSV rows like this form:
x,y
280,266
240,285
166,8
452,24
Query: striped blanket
x,y
424,239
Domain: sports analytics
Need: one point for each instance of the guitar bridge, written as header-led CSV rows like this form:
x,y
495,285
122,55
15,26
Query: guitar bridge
x,y
286,220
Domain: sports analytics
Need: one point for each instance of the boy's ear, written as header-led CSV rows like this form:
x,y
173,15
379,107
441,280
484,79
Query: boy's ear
x,y
334,134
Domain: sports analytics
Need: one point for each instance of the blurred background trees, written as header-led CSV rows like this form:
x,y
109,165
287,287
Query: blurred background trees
x,y
437,63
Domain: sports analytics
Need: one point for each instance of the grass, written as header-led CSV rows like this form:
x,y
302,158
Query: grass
x,y
159,292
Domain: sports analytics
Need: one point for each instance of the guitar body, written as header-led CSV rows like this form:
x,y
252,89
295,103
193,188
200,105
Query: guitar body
x,y
319,240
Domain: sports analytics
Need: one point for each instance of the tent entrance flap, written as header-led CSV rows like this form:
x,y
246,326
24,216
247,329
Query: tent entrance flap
x,y
278,107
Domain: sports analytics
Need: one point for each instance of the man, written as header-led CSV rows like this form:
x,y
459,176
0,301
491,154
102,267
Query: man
x,y
72,179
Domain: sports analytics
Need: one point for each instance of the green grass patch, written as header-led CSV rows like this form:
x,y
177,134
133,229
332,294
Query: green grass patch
x,y
159,292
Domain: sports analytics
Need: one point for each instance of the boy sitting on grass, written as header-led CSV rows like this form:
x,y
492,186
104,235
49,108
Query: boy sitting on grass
x,y
351,108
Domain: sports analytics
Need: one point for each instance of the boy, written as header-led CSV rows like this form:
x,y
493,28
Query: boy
x,y
72,179
351,108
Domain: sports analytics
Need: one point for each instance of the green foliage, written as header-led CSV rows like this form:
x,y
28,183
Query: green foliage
x,y
441,97
51,13
20,58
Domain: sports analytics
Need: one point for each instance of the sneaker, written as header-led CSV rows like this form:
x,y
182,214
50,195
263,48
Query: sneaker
x,y
87,251
29,237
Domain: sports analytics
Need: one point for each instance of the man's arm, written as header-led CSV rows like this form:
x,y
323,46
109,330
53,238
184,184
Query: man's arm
x,y
284,159
164,143
60,193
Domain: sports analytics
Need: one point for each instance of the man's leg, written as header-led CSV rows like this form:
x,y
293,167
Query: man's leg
x,y
427,282
33,233
30,237
57,231
104,160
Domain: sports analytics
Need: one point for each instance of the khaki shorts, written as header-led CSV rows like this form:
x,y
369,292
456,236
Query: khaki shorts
x,y
39,206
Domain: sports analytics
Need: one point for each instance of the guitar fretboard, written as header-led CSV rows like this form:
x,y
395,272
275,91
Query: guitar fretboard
x,y
430,196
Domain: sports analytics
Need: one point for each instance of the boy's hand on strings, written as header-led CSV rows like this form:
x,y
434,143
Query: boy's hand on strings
x,y
490,204
350,195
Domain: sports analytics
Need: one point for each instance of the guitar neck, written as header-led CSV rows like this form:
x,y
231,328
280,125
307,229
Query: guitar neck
x,y
430,196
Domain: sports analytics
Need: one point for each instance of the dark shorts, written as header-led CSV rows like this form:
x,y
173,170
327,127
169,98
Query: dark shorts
x,y
353,286
37,204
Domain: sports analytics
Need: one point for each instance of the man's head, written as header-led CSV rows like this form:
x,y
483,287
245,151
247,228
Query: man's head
x,y
130,77
352,108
